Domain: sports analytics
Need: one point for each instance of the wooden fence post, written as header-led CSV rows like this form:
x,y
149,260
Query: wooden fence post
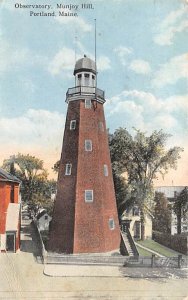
x,y
153,260
179,261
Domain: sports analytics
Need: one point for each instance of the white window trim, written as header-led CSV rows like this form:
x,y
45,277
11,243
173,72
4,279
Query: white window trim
x,y
72,124
91,146
101,126
87,103
109,224
86,200
68,167
105,168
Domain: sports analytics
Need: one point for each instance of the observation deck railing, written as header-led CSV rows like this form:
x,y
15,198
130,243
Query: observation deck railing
x,y
85,90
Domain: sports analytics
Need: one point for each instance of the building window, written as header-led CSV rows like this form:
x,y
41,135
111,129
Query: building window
x,y
105,170
88,145
101,126
72,124
46,217
88,195
68,169
87,103
136,211
111,224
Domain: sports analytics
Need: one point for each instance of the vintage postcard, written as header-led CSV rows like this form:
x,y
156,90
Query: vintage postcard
x,y
94,149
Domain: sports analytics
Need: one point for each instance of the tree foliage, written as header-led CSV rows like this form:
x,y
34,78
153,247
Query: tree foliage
x,y
36,189
181,207
162,214
140,159
55,167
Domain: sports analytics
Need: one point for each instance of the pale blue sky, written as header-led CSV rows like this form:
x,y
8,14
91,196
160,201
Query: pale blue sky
x,y
142,62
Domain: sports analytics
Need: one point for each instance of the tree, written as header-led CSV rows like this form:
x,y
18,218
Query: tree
x,y
141,158
181,207
55,167
162,214
36,189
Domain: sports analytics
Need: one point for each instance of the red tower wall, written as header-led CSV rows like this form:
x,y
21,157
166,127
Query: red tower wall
x,y
92,232
62,225
78,226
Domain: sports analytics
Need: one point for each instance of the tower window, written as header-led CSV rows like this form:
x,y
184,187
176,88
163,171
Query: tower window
x,y
88,195
72,124
105,170
86,79
111,224
101,126
93,80
87,103
88,145
79,79
68,169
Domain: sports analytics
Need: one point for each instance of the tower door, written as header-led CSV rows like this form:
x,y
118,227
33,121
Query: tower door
x,y
10,242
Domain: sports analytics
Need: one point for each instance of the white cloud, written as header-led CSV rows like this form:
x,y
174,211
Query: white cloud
x,y
37,132
140,66
175,22
63,61
169,73
103,63
35,127
146,112
12,58
77,22
123,53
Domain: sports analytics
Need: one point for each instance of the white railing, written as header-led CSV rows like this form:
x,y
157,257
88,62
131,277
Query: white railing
x,y
85,90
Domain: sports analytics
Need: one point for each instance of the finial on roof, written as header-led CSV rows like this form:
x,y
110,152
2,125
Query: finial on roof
x,y
85,55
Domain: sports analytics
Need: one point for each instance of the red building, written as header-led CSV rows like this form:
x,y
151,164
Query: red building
x,y
85,216
9,212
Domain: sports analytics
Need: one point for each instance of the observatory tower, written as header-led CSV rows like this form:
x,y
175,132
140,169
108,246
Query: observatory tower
x,y
85,216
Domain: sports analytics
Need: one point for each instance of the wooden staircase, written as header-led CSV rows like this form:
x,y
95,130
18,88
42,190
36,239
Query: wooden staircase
x,y
129,245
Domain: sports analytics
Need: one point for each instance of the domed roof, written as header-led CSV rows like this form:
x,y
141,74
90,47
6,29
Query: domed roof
x,y
85,64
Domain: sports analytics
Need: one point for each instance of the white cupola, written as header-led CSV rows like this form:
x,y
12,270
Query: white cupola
x,y
85,72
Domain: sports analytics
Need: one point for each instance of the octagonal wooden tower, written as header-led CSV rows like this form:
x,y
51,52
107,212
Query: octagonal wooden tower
x,y
85,216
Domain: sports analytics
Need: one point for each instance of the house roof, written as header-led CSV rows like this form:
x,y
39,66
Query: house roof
x,y
41,213
12,218
129,209
5,176
169,191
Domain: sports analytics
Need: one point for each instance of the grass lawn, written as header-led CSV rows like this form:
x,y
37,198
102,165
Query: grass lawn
x,y
143,252
150,244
